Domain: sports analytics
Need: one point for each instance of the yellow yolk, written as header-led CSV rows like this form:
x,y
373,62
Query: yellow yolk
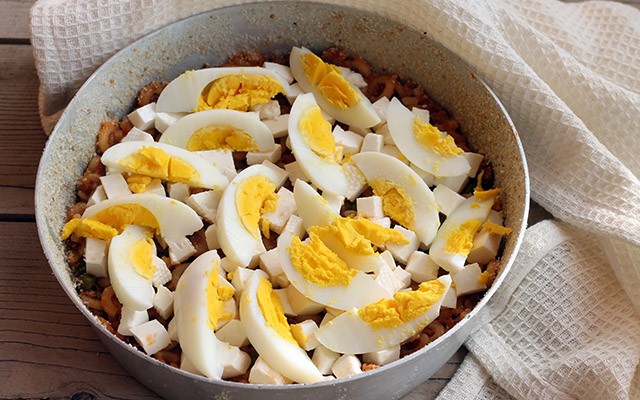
x,y
88,228
298,335
496,229
316,132
404,307
156,163
272,310
141,256
238,92
328,80
216,296
221,137
122,215
431,138
483,278
318,264
485,194
396,203
255,196
460,240
138,183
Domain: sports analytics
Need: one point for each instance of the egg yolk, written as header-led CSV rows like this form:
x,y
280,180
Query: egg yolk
x,y
316,133
88,228
273,311
404,307
486,194
156,163
431,138
255,196
396,202
216,296
318,264
138,183
460,241
121,215
496,229
328,80
221,137
299,335
141,256
238,92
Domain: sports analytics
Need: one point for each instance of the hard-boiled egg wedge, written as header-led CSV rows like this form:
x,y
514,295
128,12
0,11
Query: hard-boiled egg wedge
x,y
338,97
164,161
167,217
262,316
406,198
234,88
423,144
200,294
455,237
133,264
385,323
314,146
320,275
219,129
239,219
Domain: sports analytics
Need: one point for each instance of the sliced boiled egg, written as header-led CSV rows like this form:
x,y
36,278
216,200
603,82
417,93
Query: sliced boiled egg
x,y
199,296
385,323
423,144
266,326
235,88
250,195
314,146
336,95
219,130
454,240
320,275
164,161
406,198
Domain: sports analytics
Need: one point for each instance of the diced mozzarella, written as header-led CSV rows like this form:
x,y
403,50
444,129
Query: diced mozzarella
x,y
137,135
279,126
95,257
455,183
474,160
285,207
211,236
370,207
383,357
421,267
97,196
257,157
446,199
372,142
236,363
450,299
233,333
281,174
294,91
356,182
346,365
381,106
402,252
403,276
286,304
353,77
270,263
485,247
262,373
205,203
115,186
163,302
359,131
131,318
300,304
221,159
152,336
295,225
295,172
155,187
335,201
281,70
268,110
468,280
144,117
421,113
172,329
239,280
304,333
350,141
324,359
388,280
163,120
180,249
178,191
385,222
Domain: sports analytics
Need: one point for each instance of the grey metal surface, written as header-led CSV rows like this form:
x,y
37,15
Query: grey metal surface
x,y
273,28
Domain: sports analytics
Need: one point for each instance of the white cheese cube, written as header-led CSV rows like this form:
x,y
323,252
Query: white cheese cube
x,y
387,257
402,252
485,247
229,307
469,280
381,106
281,70
450,299
164,120
324,359
384,222
270,263
329,378
211,236
162,274
295,225
295,172
350,141
474,160
446,199
240,278
372,142
144,117
295,90
178,191
268,110
345,366
383,129
256,257
281,174
205,203
421,267
180,249
300,304
262,374
455,183
221,159
130,319
359,131
353,77
495,217
95,257
257,158
155,187
279,126
304,334
97,196
285,207
393,151
386,279
236,363
151,336
356,182
187,365
383,357
421,113
370,207
115,186
403,276
163,302
172,329
286,304
427,177
137,135
233,333
335,201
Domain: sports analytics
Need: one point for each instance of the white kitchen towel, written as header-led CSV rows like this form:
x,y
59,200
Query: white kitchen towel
x,y
569,75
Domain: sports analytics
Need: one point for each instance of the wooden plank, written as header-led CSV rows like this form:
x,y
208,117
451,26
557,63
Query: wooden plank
x,y
14,19
16,201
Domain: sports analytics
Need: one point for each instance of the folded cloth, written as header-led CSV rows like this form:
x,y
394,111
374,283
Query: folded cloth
x,y
569,76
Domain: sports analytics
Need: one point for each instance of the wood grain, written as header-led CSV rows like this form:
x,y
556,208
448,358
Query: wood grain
x,y
15,19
